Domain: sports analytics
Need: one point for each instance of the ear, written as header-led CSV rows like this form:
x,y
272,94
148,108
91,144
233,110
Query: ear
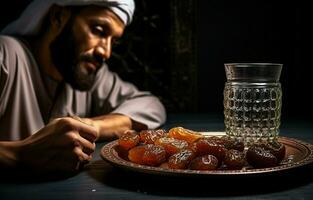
x,y
58,16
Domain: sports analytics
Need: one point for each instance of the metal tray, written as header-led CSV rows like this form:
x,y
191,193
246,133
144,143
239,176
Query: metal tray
x,y
298,154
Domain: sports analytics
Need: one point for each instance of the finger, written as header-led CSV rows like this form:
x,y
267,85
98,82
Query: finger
x,y
87,131
90,137
69,124
82,157
87,146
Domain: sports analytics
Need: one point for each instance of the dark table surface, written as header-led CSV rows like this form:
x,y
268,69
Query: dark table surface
x,y
100,180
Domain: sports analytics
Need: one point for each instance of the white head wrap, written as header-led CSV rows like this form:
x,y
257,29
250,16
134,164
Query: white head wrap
x,y
31,19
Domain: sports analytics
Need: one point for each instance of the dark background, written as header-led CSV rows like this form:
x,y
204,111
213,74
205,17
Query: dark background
x,y
177,49
256,31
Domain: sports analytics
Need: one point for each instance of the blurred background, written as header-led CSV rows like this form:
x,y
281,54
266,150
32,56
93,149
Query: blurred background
x,y
177,49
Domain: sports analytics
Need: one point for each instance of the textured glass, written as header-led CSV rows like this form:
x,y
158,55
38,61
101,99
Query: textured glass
x,y
252,103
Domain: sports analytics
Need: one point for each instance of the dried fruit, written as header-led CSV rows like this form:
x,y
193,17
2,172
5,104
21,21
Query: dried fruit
x,y
184,134
148,154
150,136
171,145
205,162
234,159
181,159
182,148
207,146
277,149
128,139
259,157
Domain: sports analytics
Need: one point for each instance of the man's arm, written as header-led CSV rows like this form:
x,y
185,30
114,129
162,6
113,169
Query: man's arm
x,y
119,106
111,126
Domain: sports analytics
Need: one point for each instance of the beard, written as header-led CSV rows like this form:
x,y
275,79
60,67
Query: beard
x,y
69,62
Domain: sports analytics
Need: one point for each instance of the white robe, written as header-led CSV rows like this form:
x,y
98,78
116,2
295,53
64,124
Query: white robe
x,y
26,95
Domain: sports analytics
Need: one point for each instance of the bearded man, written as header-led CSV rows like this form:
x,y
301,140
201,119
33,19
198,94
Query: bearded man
x,y
57,95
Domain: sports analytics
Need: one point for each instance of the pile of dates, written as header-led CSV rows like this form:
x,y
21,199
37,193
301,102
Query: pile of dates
x,y
180,148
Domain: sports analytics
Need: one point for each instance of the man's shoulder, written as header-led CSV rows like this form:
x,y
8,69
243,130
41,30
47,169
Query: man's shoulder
x,y
9,42
12,50
13,54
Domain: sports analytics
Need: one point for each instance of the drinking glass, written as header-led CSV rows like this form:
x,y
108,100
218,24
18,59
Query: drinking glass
x,y
252,101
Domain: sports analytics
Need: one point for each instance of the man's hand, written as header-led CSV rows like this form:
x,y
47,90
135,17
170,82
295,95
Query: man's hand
x,y
62,145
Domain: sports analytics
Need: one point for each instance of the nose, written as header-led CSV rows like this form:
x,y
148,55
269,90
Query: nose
x,y
104,49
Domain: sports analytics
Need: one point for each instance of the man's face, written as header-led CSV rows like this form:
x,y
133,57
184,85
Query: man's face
x,y
85,42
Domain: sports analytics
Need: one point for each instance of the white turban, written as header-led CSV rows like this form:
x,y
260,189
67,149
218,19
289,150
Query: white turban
x,y
31,19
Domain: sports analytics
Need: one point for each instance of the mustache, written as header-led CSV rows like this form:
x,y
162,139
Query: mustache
x,y
96,60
